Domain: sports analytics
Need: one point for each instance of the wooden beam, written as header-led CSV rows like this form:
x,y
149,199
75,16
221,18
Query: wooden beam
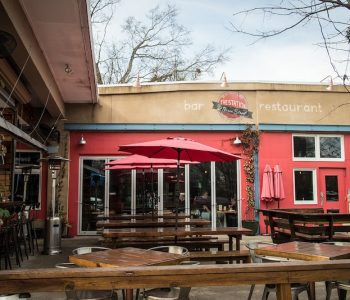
x,y
40,280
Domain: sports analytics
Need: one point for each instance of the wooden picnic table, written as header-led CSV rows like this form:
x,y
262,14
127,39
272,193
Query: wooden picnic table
x,y
151,223
306,251
231,232
126,257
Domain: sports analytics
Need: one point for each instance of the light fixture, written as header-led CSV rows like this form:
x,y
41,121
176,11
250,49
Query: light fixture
x,y
82,140
137,83
67,69
237,141
224,80
330,86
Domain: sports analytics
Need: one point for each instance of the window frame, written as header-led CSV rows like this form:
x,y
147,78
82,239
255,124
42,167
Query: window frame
x,y
314,186
317,147
33,172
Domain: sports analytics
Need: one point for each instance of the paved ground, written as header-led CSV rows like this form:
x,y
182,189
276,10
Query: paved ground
x,y
221,293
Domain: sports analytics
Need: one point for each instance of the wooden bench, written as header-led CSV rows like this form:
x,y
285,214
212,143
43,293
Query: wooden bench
x,y
283,275
221,256
288,225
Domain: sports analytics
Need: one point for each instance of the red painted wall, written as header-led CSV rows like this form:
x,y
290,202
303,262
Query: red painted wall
x,y
106,144
276,148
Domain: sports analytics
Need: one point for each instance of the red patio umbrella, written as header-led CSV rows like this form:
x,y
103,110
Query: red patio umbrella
x,y
267,190
278,184
142,160
180,149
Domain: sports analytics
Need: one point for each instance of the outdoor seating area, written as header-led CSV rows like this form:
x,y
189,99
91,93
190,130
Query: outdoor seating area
x,y
136,272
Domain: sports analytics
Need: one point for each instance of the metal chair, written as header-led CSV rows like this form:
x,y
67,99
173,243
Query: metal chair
x,y
296,288
173,293
342,286
84,250
86,294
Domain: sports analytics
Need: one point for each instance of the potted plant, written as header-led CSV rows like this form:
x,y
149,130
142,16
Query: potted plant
x,y
250,145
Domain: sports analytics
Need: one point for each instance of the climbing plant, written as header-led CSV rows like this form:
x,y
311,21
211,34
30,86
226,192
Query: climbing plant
x,y
250,145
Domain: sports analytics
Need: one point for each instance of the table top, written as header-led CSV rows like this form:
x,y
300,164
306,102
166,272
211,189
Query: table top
x,y
126,257
170,231
306,251
151,223
143,217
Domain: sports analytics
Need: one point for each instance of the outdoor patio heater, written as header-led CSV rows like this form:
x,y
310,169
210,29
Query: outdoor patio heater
x,y
53,226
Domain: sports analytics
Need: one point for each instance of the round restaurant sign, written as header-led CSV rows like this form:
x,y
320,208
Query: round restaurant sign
x,y
232,105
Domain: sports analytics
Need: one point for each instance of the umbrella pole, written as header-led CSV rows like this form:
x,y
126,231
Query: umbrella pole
x,y
152,193
143,192
177,190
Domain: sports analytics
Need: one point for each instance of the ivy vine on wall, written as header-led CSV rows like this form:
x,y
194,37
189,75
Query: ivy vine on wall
x,y
250,145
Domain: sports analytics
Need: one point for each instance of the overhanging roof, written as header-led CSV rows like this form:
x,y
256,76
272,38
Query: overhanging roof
x,y
57,34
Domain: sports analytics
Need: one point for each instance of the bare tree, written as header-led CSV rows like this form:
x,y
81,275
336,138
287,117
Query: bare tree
x,y
101,14
329,16
158,49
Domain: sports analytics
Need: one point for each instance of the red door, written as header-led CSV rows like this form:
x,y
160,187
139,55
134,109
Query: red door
x,y
332,190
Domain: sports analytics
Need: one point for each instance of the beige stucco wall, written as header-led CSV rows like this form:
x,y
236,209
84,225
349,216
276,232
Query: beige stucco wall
x,y
192,103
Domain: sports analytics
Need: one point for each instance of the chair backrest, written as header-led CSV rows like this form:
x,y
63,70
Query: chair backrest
x,y
171,249
83,250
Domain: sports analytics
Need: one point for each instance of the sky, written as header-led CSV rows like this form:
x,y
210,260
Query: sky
x,y
291,57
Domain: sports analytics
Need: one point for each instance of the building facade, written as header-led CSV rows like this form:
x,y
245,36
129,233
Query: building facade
x,y
302,128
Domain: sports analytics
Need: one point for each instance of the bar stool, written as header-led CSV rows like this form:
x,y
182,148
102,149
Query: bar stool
x,y
5,248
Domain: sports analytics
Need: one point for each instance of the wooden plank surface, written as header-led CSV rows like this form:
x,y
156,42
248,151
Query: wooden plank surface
x,y
125,257
39,280
144,223
306,251
159,232
142,217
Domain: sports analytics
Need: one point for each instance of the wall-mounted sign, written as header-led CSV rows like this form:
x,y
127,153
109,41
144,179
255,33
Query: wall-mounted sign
x,y
233,105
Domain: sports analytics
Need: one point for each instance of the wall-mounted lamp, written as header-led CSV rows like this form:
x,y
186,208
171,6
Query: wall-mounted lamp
x,y
224,80
67,69
82,141
237,141
330,86
137,83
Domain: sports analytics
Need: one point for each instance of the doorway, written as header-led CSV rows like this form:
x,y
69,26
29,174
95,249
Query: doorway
x,y
332,190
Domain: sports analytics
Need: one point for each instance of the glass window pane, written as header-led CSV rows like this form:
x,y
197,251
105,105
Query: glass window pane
x,y
27,177
169,189
304,146
304,187
332,188
93,195
120,191
200,181
330,147
27,188
226,192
